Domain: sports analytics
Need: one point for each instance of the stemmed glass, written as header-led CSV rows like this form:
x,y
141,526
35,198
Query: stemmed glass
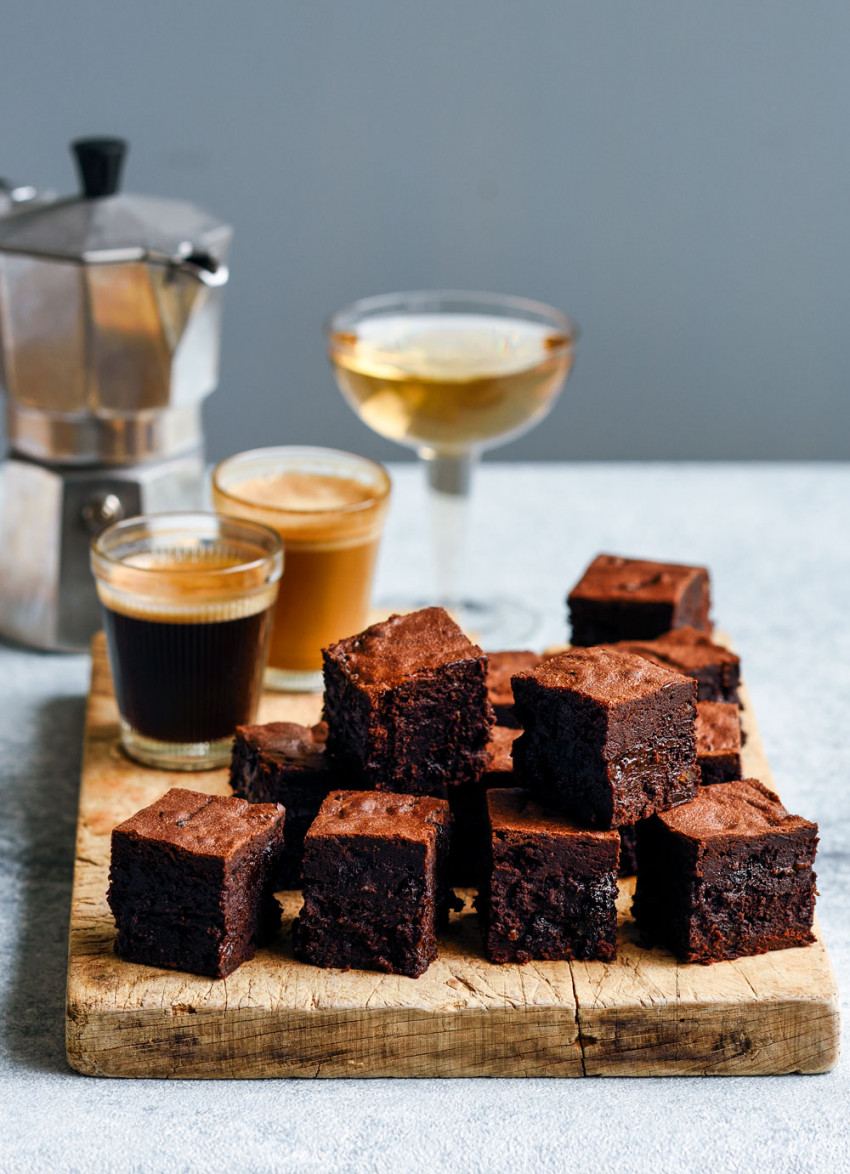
x,y
451,374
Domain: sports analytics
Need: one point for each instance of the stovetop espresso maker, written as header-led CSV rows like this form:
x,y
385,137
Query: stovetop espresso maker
x,y
110,312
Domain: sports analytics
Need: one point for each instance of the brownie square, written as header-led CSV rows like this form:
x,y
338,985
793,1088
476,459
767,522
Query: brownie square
x,y
718,742
406,705
727,875
192,880
282,762
608,737
468,805
501,666
373,882
551,888
634,599
716,670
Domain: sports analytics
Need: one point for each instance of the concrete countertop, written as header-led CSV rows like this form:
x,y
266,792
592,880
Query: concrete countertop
x,y
776,540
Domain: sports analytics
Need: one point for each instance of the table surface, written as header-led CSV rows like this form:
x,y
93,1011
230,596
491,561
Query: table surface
x,y
776,539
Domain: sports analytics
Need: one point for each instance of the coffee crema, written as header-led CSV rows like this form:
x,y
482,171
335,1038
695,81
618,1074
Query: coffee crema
x,y
187,624
186,668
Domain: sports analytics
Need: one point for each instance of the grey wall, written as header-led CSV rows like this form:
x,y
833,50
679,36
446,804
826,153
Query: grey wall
x,y
673,174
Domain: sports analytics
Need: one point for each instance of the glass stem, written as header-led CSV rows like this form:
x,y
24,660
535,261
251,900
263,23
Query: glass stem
x,y
449,485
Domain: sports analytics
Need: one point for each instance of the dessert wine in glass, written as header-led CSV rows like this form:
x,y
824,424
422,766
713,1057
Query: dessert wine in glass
x,y
451,374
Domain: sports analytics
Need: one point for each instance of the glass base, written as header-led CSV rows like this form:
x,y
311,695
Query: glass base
x,y
294,680
175,755
496,624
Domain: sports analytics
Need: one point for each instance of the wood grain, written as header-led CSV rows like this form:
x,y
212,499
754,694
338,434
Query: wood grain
x,y
642,1015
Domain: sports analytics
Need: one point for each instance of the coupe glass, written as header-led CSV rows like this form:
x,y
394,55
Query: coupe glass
x,y
451,374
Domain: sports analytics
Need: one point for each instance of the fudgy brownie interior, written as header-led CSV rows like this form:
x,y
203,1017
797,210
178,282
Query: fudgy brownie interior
x,y
608,737
406,705
374,882
192,880
283,762
551,886
727,875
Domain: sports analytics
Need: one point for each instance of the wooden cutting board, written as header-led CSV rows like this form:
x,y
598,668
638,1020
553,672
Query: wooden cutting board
x,y
643,1015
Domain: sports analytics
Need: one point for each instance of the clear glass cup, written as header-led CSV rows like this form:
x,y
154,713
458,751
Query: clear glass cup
x,y
187,605
451,374
329,509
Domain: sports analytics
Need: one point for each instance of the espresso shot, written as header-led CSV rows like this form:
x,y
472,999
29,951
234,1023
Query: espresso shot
x,y
187,603
187,682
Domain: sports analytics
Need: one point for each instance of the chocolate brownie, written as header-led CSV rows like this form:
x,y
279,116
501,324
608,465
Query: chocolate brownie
x,y
634,599
192,880
727,875
628,850
282,762
551,886
500,762
718,742
716,670
406,705
468,805
373,882
607,737
501,666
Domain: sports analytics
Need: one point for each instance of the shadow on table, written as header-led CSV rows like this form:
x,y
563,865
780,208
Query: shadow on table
x,y
34,1018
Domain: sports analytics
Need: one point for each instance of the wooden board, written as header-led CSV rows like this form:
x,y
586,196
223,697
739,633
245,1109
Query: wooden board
x,y
642,1015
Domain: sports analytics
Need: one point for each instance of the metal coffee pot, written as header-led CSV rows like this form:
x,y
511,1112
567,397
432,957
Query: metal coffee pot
x,y
110,314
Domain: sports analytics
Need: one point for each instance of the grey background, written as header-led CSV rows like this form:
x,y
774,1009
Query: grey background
x,y
675,176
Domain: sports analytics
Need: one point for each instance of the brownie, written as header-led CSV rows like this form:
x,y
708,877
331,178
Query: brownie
x,y
374,882
634,599
608,737
716,670
406,705
727,875
501,666
468,805
551,886
718,742
192,880
282,762
628,850
500,762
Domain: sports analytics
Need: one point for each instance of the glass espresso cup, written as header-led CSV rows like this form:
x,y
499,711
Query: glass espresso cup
x,y
187,605
329,509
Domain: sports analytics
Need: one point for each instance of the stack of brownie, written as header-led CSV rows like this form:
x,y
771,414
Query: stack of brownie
x,y
727,872
534,779
409,719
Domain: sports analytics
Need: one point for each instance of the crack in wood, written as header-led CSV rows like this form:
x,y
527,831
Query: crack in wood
x,y
578,1022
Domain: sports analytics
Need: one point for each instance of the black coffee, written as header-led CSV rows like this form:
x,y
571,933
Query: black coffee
x,y
187,682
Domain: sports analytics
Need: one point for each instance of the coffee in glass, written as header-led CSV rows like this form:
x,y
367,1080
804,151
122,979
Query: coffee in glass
x,y
187,604
329,509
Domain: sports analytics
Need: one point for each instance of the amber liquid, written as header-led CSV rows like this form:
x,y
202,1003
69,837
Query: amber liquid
x,y
450,382
329,560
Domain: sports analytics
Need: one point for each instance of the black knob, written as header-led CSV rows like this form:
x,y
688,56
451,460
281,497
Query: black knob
x,y
99,162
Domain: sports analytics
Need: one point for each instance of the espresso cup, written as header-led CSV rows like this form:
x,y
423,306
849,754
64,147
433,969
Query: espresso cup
x,y
328,508
187,607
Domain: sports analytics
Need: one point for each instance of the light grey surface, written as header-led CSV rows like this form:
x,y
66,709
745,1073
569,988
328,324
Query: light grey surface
x,y
775,540
673,175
